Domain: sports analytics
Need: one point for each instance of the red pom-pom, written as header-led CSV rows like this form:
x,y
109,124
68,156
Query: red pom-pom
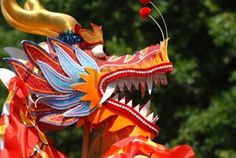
x,y
145,12
145,2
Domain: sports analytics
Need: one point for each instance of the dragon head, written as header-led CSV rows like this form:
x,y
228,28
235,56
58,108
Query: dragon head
x,y
123,85
71,80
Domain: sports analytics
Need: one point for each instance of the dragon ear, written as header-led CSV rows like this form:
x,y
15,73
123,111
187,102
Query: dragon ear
x,y
92,37
16,53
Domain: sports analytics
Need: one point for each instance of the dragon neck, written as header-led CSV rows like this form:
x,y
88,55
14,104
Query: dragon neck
x,y
108,127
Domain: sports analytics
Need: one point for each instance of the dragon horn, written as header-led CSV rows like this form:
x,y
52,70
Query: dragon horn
x,y
35,19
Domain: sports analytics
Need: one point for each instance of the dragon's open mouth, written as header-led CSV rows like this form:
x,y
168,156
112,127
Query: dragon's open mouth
x,y
113,88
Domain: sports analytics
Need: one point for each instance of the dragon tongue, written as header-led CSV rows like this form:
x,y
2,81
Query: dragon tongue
x,y
109,90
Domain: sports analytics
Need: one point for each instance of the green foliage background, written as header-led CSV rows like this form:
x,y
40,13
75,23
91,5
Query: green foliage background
x,y
198,107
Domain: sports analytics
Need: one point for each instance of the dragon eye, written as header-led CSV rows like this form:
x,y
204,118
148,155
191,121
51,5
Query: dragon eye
x,y
99,51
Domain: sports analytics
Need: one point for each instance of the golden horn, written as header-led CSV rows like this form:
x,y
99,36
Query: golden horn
x,y
36,19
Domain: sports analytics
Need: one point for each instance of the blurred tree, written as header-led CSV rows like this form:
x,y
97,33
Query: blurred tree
x,y
198,106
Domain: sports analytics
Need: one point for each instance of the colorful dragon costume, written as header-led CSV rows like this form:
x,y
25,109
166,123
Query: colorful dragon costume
x,y
70,80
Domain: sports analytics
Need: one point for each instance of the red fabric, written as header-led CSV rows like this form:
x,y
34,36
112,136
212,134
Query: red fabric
x,y
145,12
179,151
133,146
19,88
20,140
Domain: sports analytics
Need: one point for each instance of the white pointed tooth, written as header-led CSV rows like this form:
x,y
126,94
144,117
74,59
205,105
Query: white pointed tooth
x,y
116,97
148,104
143,91
137,108
154,82
163,81
128,84
143,87
121,85
122,100
109,90
149,84
155,119
157,82
166,82
130,103
143,112
150,117
136,83
145,109
143,82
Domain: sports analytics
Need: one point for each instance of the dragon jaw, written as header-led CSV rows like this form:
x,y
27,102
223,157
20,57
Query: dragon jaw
x,y
137,78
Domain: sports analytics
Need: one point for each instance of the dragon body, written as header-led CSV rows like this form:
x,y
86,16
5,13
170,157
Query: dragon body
x,y
61,82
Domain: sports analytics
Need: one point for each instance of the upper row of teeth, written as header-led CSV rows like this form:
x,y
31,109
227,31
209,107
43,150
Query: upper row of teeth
x,y
134,82
141,110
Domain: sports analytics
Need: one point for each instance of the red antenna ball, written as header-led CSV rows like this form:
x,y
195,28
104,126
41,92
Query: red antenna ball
x,y
145,12
145,2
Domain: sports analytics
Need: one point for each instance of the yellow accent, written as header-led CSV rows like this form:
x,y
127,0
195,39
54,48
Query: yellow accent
x,y
44,154
136,66
92,37
153,62
36,70
26,121
150,142
42,137
112,68
128,57
9,97
164,50
120,151
141,156
114,58
145,64
41,153
7,103
89,87
144,51
3,130
33,18
158,58
138,131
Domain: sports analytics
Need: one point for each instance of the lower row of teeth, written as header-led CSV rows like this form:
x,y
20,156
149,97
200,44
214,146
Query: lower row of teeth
x,y
143,110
